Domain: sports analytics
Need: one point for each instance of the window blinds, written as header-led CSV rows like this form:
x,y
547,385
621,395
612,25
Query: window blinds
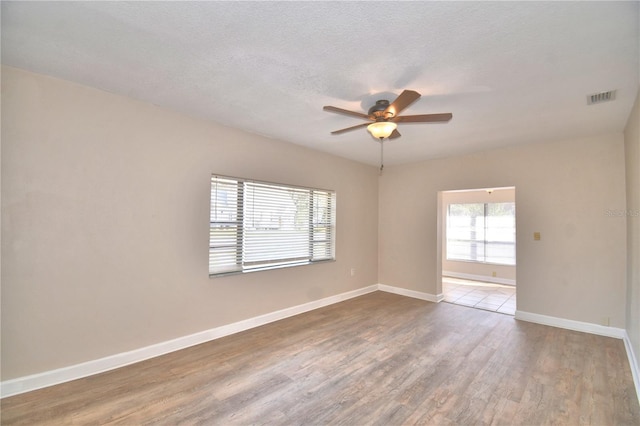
x,y
260,225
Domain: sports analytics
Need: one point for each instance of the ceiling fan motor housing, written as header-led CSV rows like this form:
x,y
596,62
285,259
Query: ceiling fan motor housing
x,y
379,108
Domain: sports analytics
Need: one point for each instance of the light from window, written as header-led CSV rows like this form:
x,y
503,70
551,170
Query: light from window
x,y
258,225
478,232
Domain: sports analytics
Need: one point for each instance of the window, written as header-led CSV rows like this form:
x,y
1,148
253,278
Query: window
x,y
484,233
260,225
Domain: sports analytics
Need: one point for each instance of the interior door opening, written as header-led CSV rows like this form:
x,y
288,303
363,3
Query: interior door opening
x,y
477,230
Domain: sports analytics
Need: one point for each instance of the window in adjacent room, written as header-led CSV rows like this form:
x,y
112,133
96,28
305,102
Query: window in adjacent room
x,y
260,225
482,232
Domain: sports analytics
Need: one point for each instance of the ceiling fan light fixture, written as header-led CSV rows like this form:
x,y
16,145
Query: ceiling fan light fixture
x,y
382,129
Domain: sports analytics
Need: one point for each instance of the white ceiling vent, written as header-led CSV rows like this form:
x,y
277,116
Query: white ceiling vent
x,y
598,98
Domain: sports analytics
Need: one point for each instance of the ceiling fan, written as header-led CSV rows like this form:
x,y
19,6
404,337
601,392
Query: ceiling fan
x,y
385,116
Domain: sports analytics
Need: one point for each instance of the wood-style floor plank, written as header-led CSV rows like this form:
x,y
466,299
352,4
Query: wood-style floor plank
x,y
379,359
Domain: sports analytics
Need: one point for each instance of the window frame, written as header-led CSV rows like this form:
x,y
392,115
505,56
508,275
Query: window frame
x,y
314,223
485,243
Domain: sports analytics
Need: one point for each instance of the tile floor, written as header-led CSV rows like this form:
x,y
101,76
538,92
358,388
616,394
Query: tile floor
x,y
481,295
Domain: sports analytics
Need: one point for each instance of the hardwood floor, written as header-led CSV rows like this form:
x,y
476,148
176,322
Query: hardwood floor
x,y
379,359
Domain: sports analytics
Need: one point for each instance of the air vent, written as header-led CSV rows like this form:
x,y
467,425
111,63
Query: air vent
x,y
598,98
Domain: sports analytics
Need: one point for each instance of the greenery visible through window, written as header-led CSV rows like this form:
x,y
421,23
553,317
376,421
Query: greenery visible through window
x,y
260,225
480,232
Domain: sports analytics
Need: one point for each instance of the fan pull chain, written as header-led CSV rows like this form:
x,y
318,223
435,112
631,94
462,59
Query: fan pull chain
x,y
381,155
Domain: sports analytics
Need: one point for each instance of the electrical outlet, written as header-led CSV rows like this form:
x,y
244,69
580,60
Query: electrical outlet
x,y
536,236
494,274
353,271
606,321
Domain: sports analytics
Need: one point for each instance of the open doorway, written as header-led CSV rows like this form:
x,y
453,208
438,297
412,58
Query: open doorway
x,y
478,253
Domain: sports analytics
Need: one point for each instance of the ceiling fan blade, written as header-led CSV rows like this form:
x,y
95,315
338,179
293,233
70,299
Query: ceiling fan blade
x,y
405,99
348,129
346,112
395,134
423,118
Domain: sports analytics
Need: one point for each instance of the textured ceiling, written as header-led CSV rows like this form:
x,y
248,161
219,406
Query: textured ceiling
x,y
510,72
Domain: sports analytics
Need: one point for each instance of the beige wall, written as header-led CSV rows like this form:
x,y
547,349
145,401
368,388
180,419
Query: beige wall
x,y
501,195
632,158
563,190
105,205
104,224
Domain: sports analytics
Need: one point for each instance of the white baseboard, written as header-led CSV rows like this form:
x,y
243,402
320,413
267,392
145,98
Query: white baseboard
x,y
78,371
633,363
505,281
585,327
411,293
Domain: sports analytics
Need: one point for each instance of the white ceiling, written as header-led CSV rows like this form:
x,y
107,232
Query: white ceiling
x,y
510,72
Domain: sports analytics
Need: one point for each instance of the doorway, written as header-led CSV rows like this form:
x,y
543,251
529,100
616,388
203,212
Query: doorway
x,y
478,248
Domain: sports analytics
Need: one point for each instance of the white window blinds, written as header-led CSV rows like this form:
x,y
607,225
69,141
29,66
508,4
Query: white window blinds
x,y
259,225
